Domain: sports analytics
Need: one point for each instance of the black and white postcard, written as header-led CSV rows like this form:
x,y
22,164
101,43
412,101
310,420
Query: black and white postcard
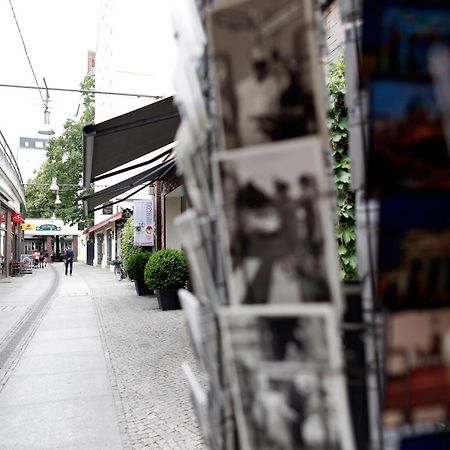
x,y
307,411
202,279
191,166
199,400
267,75
188,28
304,335
288,387
189,97
277,226
203,332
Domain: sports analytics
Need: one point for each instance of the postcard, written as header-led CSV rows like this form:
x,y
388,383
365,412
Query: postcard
x,y
408,149
277,226
398,37
417,368
287,387
435,441
414,252
267,73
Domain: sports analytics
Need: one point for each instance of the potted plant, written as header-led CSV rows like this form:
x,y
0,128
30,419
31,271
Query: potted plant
x,y
166,272
135,267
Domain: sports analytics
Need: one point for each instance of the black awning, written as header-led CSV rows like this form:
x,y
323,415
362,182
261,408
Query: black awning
x,y
110,144
100,197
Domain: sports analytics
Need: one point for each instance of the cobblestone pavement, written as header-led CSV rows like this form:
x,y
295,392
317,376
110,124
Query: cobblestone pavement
x,y
145,348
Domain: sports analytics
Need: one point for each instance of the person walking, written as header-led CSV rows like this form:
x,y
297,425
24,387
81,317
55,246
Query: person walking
x,y
68,259
35,257
41,259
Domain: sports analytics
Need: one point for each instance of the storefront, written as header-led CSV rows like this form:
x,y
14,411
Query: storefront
x,y
99,243
3,232
50,235
11,238
12,204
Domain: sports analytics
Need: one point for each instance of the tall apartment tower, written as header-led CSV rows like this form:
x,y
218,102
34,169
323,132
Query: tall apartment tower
x,y
31,154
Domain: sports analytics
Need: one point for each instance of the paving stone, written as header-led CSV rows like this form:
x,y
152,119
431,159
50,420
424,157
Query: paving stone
x,y
145,348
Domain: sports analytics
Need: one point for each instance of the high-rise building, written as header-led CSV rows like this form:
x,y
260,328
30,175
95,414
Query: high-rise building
x,y
31,154
136,54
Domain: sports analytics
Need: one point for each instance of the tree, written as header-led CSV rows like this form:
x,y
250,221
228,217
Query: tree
x,y
65,162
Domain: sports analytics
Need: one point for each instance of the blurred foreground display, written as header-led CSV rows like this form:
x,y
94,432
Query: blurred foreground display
x,y
291,358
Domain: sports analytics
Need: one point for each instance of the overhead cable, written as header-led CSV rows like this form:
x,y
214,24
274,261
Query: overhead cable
x,y
26,52
83,91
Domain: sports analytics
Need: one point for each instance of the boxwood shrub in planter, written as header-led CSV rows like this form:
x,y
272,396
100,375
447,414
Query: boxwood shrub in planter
x,y
135,267
166,272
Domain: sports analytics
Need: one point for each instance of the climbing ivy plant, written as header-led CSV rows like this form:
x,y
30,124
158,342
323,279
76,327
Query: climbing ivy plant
x,y
337,124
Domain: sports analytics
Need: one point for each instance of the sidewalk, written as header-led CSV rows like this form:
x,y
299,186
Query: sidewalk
x,y
101,370
18,294
59,394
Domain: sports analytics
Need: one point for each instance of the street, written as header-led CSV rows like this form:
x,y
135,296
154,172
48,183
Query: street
x,y
85,363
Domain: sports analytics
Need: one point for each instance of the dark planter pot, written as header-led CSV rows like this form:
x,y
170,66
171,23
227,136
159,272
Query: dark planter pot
x,y
141,287
168,298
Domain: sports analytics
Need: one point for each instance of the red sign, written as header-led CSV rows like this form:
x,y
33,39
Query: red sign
x,y
17,218
2,217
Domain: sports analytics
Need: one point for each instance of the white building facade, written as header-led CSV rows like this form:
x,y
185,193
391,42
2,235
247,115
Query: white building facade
x,y
135,54
31,154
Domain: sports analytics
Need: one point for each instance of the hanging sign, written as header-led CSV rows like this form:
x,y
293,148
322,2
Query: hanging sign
x,y
17,218
28,226
144,223
48,227
2,217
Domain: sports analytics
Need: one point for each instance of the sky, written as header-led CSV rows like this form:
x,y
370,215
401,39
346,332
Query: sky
x,y
58,35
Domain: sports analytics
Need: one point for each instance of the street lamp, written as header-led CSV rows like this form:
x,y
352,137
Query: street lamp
x,y
54,187
45,127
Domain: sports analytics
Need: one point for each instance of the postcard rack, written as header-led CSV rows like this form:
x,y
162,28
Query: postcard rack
x,y
362,327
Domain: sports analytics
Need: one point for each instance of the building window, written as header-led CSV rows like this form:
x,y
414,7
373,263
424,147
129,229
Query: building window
x,y
27,144
108,209
39,144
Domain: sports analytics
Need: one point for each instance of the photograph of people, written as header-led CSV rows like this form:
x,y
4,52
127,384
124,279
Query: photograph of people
x,y
285,411
276,209
264,71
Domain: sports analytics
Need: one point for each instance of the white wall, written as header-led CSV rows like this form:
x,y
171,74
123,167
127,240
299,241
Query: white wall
x,y
173,209
10,184
30,161
136,54
334,30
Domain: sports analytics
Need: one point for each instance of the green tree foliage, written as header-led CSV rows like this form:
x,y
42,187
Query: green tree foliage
x,y
345,227
65,162
127,240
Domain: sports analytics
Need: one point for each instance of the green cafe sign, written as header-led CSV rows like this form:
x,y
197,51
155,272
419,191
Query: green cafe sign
x,y
48,227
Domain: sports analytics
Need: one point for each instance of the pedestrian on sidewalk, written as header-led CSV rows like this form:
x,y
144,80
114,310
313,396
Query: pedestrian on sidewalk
x,y
35,256
68,259
41,259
